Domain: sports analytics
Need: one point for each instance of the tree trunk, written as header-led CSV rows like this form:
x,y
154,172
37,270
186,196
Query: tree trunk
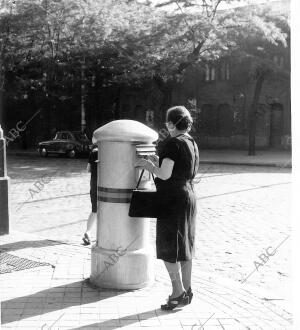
x,y
1,93
1,107
166,90
83,97
118,103
252,114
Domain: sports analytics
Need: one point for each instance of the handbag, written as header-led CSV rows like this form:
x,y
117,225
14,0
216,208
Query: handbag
x,y
144,203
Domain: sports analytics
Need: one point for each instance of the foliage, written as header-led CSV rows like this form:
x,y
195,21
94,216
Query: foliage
x,y
45,44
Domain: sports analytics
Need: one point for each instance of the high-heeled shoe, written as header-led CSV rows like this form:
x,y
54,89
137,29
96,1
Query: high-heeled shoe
x,y
86,239
189,294
175,302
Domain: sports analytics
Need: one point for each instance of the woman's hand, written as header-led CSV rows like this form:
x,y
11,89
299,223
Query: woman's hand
x,y
154,159
164,172
145,164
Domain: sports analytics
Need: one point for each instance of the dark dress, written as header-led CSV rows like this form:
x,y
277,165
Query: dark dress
x,y
175,230
93,157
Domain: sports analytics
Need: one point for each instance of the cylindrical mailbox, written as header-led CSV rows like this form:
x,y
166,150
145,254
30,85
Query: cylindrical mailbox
x,y
122,257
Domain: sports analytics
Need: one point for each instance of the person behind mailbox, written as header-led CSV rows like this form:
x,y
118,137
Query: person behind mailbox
x,y
92,168
175,169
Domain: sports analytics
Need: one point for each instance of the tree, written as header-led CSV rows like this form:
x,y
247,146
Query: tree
x,y
124,43
257,42
58,38
194,37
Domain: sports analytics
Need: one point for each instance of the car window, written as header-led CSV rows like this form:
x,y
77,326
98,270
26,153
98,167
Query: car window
x,y
58,136
64,136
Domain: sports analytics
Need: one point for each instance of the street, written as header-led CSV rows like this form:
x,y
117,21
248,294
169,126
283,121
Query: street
x,y
242,225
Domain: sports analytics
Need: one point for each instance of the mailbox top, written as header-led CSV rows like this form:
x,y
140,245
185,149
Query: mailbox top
x,y
125,131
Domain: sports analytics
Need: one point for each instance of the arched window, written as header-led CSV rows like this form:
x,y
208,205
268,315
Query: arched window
x,y
224,70
210,72
207,72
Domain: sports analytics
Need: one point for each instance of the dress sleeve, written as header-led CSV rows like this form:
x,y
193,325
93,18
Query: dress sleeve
x,y
171,150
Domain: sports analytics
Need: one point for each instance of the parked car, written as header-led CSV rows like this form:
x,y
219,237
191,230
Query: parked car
x,y
70,143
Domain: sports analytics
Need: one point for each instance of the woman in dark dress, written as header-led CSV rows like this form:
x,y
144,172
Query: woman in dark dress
x,y
175,235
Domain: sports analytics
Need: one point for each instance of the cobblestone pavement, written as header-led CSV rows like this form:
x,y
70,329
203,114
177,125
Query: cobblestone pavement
x,y
59,296
243,231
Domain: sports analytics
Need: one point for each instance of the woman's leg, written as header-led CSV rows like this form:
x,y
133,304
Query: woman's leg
x,y
186,271
90,223
173,269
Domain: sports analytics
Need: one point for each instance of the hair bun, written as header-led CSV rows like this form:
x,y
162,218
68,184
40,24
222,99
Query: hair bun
x,y
180,117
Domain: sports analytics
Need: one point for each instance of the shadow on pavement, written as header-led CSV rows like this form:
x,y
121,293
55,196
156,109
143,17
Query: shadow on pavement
x,y
127,320
28,244
61,297
53,299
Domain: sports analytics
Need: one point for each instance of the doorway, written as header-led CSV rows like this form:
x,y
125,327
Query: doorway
x,y
276,124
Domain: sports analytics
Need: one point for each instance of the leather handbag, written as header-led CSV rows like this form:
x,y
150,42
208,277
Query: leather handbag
x,y
144,203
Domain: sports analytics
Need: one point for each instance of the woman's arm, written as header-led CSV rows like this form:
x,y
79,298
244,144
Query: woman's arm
x,y
163,172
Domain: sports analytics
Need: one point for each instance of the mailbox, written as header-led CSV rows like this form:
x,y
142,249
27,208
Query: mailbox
x,y
122,257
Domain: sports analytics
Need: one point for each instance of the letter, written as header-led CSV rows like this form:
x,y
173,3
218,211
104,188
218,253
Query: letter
x,y
268,253
13,131
112,256
122,251
107,265
32,192
8,139
39,185
44,180
257,263
263,258
22,128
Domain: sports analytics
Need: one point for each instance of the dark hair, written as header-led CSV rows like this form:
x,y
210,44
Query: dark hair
x,y
180,117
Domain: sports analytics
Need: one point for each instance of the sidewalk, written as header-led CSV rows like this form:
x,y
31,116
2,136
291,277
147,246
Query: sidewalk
x,y
51,291
279,158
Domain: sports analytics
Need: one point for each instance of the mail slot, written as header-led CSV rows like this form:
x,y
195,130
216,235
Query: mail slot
x,y
145,149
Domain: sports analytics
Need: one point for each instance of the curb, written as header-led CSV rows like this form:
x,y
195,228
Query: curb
x,y
284,165
213,162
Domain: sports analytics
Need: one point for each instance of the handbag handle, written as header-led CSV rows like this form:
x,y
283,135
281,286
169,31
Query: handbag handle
x,y
140,178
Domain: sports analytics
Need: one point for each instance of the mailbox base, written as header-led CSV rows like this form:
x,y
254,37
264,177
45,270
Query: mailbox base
x,y
133,270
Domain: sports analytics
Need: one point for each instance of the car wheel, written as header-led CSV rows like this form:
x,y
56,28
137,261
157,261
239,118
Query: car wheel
x,y
72,153
43,152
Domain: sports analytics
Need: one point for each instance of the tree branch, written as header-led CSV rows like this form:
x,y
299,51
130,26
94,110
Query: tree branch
x,y
186,22
214,11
